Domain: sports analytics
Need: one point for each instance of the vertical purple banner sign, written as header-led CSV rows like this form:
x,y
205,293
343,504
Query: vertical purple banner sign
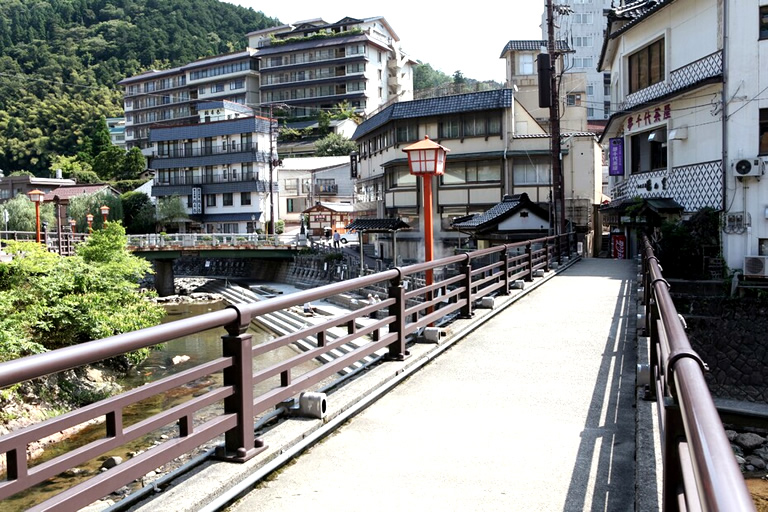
x,y
616,157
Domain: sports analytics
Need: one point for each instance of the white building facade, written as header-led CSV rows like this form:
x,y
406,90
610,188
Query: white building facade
x,y
317,65
496,148
218,167
692,125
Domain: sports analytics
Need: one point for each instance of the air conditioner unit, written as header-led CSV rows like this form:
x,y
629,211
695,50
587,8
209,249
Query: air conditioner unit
x,y
756,266
747,167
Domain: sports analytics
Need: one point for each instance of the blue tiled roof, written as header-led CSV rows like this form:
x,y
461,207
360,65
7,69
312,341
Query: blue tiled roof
x,y
471,102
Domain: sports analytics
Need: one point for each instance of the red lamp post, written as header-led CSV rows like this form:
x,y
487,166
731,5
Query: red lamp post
x,y
426,159
36,196
73,225
104,212
89,218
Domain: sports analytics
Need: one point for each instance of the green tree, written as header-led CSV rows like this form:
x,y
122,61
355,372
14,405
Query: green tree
x,y
138,213
133,164
170,210
56,301
81,206
425,77
334,144
74,168
458,77
22,216
110,164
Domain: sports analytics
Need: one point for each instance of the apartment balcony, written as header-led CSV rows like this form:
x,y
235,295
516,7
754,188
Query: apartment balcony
x,y
205,156
318,80
313,61
198,151
705,70
198,178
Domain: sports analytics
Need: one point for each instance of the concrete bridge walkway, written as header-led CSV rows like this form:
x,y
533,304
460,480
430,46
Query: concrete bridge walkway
x,y
534,411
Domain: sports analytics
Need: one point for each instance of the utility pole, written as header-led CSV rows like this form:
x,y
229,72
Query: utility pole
x,y
554,125
273,162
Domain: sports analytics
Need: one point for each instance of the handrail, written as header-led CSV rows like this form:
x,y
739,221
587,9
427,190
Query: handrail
x,y
699,464
408,308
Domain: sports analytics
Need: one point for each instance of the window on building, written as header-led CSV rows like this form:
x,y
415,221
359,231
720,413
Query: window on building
x,y
237,84
400,176
583,18
649,151
245,198
448,129
590,112
590,89
532,172
646,66
585,41
607,109
448,213
764,22
573,100
764,131
525,64
227,199
479,171
407,133
210,200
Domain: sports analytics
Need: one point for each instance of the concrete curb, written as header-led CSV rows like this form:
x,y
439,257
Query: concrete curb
x,y
214,484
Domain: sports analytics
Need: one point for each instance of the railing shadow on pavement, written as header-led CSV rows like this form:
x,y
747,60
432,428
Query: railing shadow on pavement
x,y
700,469
461,282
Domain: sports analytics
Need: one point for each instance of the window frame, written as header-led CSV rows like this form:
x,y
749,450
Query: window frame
x,y
646,66
763,22
763,131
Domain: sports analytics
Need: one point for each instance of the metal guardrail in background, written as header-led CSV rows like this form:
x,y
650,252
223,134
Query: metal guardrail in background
x,y
461,281
156,241
63,245
700,470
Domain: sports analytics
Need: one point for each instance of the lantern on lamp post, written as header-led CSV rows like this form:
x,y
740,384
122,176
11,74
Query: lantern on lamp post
x,y
89,218
73,225
426,159
104,212
36,196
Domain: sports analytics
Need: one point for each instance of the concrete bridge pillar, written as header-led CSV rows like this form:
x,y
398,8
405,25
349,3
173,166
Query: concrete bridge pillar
x,y
164,283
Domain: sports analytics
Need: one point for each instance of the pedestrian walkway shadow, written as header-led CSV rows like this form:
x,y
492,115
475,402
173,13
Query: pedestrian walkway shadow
x,y
603,477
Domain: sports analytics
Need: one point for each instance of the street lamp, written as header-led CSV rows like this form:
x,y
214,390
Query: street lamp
x,y
72,224
426,159
89,218
104,212
36,196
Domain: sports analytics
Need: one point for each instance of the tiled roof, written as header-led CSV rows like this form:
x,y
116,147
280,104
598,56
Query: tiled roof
x,y
533,45
68,192
379,225
507,204
471,102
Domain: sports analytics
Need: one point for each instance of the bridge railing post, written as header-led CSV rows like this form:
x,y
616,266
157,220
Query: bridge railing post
x,y
465,269
397,350
507,282
529,253
239,442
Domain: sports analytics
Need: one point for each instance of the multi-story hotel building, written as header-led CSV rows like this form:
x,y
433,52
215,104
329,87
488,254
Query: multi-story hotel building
x,y
170,97
219,167
317,65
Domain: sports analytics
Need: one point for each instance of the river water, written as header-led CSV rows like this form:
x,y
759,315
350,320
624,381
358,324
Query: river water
x,y
200,348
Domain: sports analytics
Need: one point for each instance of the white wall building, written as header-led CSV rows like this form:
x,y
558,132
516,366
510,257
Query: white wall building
x,y
219,167
583,30
315,65
308,180
689,77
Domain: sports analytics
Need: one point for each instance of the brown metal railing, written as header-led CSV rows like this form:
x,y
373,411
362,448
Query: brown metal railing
x,y
461,280
700,470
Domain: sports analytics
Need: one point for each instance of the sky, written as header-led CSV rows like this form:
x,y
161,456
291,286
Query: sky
x,y
449,39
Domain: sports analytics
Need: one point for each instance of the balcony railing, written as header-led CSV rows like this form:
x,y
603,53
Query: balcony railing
x,y
705,68
197,151
204,179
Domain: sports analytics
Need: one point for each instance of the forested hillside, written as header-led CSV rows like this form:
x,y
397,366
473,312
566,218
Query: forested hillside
x,y
60,61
